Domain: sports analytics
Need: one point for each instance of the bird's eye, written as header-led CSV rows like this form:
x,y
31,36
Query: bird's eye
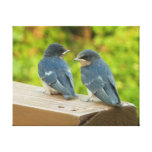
x,y
84,57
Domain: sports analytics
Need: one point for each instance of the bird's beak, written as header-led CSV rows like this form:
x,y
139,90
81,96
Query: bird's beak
x,y
66,52
79,60
76,59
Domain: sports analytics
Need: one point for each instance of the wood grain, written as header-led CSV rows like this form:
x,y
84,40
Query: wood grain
x,y
32,107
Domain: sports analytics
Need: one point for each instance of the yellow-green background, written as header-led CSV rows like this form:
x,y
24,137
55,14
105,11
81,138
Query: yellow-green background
x,y
118,45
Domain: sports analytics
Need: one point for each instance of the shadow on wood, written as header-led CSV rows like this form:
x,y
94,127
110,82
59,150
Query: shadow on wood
x,y
32,107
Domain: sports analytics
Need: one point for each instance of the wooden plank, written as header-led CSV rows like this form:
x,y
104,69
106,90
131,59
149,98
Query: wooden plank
x,y
33,107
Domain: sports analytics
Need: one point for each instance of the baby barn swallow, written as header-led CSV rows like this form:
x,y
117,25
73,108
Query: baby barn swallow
x,y
54,72
97,77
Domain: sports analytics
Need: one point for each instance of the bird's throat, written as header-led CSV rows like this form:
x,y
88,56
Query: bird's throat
x,y
84,63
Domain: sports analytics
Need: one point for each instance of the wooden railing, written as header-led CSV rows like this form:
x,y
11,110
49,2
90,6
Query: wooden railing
x,y
32,107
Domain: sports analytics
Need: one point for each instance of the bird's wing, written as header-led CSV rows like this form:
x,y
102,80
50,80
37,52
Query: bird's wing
x,y
97,86
113,85
48,75
70,77
94,84
65,78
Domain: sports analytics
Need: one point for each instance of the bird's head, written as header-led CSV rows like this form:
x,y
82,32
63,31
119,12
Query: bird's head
x,y
55,50
87,57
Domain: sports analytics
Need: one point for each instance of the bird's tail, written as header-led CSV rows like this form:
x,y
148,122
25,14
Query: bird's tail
x,y
118,104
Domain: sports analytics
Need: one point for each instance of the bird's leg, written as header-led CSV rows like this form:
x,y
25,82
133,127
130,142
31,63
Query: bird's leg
x,y
90,98
46,88
42,90
53,91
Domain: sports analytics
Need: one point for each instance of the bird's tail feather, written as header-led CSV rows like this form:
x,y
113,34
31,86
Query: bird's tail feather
x,y
106,99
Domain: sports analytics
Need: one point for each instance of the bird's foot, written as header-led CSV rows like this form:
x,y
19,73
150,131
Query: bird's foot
x,y
41,90
90,99
47,92
54,92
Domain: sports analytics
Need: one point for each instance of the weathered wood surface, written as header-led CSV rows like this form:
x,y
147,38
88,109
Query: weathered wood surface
x,y
32,107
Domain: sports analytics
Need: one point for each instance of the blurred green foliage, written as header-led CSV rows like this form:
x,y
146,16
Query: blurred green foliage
x,y
118,45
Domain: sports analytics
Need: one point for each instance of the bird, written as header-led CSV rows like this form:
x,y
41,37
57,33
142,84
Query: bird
x,y
54,72
98,78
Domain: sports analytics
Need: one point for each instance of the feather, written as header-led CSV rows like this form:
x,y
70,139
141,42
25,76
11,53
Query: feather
x,y
99,80
56,73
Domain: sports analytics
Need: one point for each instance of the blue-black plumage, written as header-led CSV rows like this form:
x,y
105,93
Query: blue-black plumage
x,y
97,77
54,72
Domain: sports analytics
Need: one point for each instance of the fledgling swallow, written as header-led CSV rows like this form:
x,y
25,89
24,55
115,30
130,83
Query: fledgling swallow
x,y
97,77
54,72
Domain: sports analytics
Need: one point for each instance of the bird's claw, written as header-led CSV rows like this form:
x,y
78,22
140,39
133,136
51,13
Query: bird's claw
x,y
87,100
